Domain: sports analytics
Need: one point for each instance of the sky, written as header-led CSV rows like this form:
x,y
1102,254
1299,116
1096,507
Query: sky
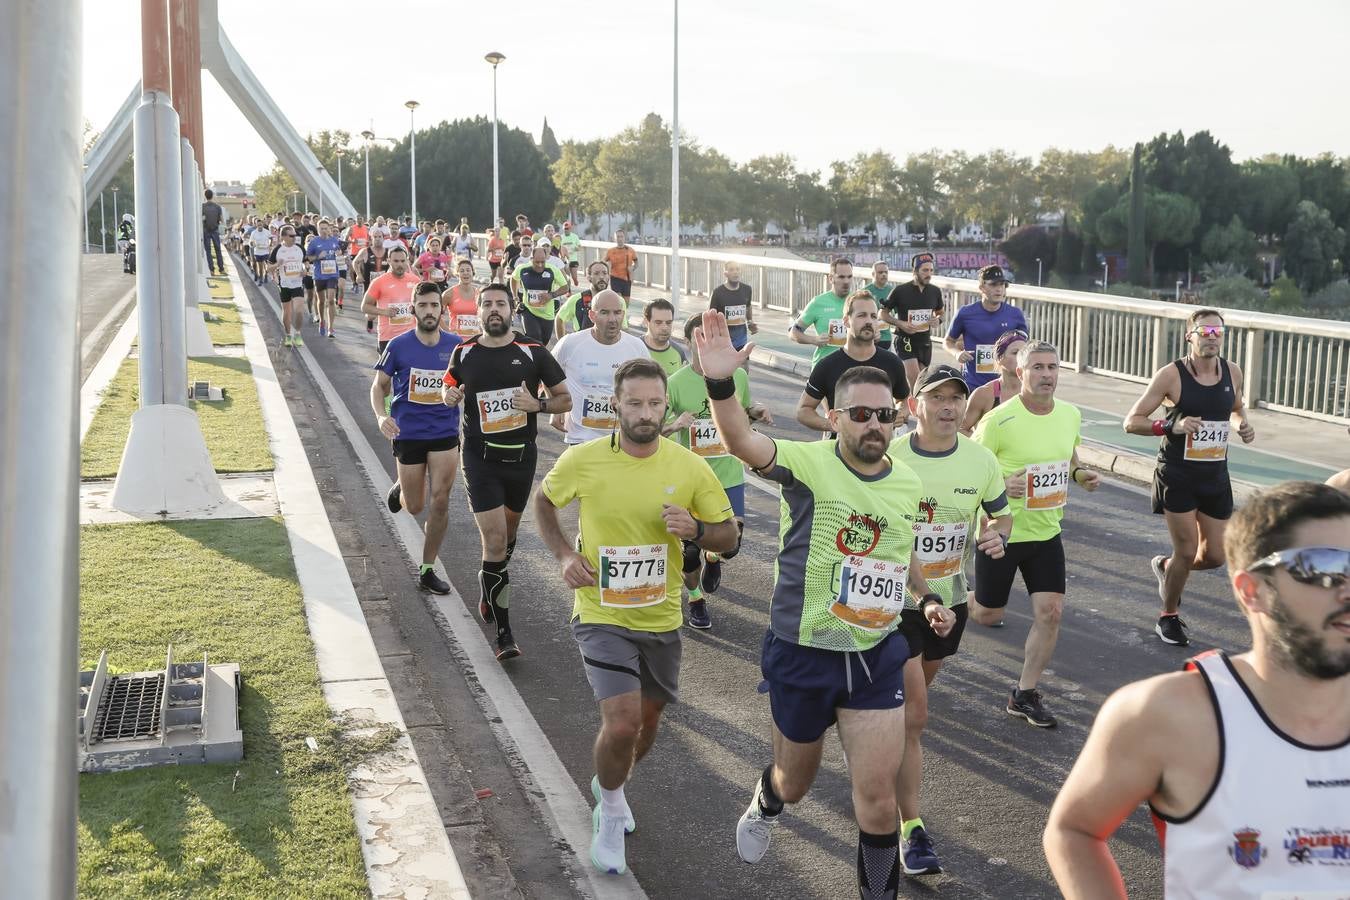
x,y
819,81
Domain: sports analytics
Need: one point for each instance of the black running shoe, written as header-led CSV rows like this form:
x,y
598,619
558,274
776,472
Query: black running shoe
x,y
370,324
711,579
432,582
698,615
1027,704
506,647
1172,630
395,498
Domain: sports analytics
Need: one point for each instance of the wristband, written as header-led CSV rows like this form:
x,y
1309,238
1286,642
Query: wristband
x,y
929,598
720,388
1160,427
698,533
543,404
1074,474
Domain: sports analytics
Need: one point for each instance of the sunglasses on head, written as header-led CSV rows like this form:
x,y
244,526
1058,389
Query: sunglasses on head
x,y
1208,330
885,414
1325,567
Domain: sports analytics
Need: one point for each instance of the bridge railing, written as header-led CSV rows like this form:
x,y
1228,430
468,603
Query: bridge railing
x,y
1292,364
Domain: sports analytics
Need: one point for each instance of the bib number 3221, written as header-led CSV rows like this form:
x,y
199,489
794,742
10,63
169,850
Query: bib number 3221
x,y
871,592
1047,485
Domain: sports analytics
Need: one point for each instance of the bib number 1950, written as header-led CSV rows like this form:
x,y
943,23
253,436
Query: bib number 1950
x,y
871,592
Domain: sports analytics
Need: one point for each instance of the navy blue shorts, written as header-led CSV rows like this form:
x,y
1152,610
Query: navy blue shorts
x,y
326,284
736,495
807,686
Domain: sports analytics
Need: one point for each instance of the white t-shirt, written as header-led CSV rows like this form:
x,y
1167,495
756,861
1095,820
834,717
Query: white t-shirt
x,y
261,239
291,265
589,366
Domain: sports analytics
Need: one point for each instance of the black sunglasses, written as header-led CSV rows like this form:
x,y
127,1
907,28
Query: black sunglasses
x,y
885,414
1325,567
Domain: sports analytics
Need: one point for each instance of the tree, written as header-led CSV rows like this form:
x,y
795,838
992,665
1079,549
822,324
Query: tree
x,y
1064,178
1231,243
1026,245
872,184
921,185
1285,295
1068,249
1267,194
548,144
1312,245
634,169
1169,220
708,194
577,181
768,189
1325,180
1136,220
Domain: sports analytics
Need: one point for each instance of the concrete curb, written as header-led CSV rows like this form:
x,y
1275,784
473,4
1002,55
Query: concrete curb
x,y
406,850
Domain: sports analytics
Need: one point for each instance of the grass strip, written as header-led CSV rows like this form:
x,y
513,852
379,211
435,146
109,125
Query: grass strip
x,y
282,826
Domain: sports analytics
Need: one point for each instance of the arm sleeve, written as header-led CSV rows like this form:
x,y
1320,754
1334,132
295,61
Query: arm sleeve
x,y
899,381
386,362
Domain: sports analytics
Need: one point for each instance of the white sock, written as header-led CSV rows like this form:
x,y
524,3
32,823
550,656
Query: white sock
x,y
612,803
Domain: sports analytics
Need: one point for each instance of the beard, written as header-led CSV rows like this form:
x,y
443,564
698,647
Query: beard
x,y
869,448
496,326
639,432
1301,648
425,328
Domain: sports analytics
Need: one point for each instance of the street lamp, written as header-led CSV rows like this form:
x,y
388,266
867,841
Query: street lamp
x,y
412,153
495,59
295,201
116,221
340,153
102,224
368,136
1038,271
321,171
1106,265
1178,297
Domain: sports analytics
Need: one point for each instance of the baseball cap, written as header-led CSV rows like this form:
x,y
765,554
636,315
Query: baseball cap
x,y
993,275
922,258
938,374
542,241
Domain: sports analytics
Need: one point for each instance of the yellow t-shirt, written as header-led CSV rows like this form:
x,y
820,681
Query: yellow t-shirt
x,y
638,585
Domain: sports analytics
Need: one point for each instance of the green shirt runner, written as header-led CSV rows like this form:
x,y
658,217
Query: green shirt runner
x,y
826,313
880,294
688,393
1044,445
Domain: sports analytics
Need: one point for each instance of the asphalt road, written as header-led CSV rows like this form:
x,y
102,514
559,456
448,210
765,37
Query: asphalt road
x,y
989,778
102,288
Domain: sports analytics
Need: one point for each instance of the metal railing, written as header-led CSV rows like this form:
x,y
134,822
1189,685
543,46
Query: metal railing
x,y
1291,364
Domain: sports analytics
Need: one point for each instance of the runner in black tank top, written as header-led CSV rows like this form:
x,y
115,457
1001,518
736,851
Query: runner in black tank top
x,y
1191,488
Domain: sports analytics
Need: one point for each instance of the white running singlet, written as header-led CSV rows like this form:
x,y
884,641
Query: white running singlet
x,y
1276,823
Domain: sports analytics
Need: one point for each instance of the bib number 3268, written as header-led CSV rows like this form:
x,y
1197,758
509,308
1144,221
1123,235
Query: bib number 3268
x,y
632,576
871,592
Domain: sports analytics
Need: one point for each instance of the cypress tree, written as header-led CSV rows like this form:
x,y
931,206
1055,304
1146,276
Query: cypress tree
x,y
1135,248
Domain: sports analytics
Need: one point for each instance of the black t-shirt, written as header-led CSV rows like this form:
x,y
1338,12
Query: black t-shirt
x,y
483,370
512,254
826,373
723,296
907,297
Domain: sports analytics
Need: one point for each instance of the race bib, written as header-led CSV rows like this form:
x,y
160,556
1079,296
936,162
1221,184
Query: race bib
x,y
327,267
292,268
632,577
705,440
400,314
736,315
1209,444
871,592
424,386
838,333
342,260
984,360
437,274
1047,485
940,547
598,413
467,326
494,256
538,298
920,316
496,414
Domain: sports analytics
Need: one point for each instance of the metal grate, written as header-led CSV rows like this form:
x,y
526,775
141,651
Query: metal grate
x,y
130,707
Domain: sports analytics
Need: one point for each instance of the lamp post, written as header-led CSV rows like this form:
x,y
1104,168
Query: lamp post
x,y
320,170
1038,271
102,224
84,208
1106,265
675,272
116,220
412,153
340,153
368,136
495,59
1178,296
295,201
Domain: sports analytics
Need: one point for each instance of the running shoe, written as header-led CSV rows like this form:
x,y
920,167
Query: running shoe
x,y
394,498
323,332
1157,564
755,829
920,857
506,647
698,615
1172,630
629,824
432,582
286,341
297,341
711,579
1027,704
370,324
607,843
332,335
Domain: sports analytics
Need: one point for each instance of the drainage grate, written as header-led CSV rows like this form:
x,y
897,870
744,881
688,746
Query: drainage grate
x,y
130,707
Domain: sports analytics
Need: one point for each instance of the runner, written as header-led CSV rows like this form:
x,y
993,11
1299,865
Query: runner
x,y
498,374
305,230
570,245
1034,436
845,558
977,326
389,299
622,261
689,419
322,254
371,262
423,430
464,244
434,264
344,261
509,262
1340,481
288,261
860,317
962,485
538,286
880,288
262,240
575,314
1191,488
462,315
825,313
913,308
496,252
626,613
732,299
989,395
1243,760
590,358
212,213
660,318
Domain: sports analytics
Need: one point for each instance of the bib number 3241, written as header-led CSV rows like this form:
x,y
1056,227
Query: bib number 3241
x,y
1209,443
871,592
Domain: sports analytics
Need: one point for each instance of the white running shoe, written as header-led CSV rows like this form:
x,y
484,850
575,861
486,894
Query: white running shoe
x,y
629,824
755,829
607,843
